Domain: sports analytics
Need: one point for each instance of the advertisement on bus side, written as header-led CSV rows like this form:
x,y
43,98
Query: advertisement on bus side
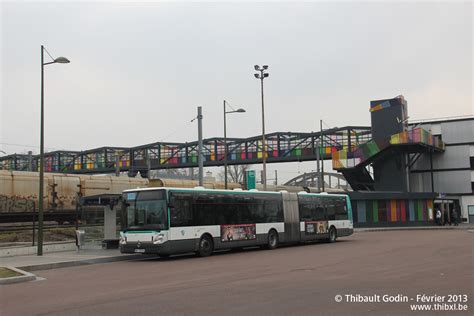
x,y
238,232
316,227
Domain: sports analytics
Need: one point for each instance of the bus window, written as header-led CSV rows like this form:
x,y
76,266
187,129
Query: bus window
x,y
205,209
257,211
244,205
181,209
341,209
306,212
330,208
319,214
273,211
311,209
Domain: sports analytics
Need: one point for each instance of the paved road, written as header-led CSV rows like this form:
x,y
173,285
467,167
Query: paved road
x,y
301,280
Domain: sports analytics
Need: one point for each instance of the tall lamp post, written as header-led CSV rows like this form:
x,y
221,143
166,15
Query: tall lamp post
x,y
262,75
239,110
59,60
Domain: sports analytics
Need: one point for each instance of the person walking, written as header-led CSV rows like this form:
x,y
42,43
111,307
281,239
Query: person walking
x,y
438,216
454,218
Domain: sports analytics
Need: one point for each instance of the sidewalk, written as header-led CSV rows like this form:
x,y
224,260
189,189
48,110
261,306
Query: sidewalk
x,y
91,254
462,226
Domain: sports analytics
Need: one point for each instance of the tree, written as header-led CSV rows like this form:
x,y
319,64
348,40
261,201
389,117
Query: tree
x,y
182,173
235,173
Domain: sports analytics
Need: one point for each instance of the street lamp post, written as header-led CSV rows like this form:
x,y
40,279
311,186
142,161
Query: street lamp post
x,y
59,60
262,75
239,110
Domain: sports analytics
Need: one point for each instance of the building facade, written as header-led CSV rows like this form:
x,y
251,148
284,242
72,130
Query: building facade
x,y
409,170
451,174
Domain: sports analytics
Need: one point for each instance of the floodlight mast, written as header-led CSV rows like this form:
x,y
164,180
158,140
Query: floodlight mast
x,y
262,75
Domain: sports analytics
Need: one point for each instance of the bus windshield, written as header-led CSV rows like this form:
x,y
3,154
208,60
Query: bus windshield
x,y
146,210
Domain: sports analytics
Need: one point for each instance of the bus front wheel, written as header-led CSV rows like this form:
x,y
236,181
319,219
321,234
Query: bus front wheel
x,y
206,246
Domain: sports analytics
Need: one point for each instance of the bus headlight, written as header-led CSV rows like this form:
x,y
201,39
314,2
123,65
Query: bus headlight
x,y
123,239
159,239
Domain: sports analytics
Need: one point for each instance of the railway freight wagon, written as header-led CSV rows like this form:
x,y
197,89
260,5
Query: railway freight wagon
x,y
19,193
184,183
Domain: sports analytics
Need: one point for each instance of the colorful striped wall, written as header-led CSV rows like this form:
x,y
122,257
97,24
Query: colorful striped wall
x,y
392,212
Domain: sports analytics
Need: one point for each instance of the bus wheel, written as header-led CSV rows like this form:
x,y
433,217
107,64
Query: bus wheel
x,y
272,241
206,246
332,234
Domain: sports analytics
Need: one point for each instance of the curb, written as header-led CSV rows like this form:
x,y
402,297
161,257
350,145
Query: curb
x,y
31,250
379,229
47,248
25,277
67,264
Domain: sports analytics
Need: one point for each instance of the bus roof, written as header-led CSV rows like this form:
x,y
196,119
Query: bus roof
x,y
201,189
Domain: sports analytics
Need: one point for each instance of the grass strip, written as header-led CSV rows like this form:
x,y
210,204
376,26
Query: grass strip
x,y
8,273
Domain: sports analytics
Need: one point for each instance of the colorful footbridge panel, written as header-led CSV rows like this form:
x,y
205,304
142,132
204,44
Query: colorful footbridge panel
x,y
360,155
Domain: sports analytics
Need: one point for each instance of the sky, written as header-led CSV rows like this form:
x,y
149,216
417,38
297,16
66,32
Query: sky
x,y
139,70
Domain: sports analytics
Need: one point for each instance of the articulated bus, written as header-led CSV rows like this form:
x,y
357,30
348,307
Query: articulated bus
x,y
166,221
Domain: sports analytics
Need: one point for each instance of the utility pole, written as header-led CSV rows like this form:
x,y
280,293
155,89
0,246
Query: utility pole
x,y
117,164
30,160
322,155
200,160
318,170
225,149
148,164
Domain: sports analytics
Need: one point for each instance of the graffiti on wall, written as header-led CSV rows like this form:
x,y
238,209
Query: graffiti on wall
x,y
12,204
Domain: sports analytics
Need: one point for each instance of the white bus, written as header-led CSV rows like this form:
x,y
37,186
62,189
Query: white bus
x,y
167,221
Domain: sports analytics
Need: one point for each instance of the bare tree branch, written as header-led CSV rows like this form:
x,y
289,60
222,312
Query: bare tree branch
x,y
236,173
